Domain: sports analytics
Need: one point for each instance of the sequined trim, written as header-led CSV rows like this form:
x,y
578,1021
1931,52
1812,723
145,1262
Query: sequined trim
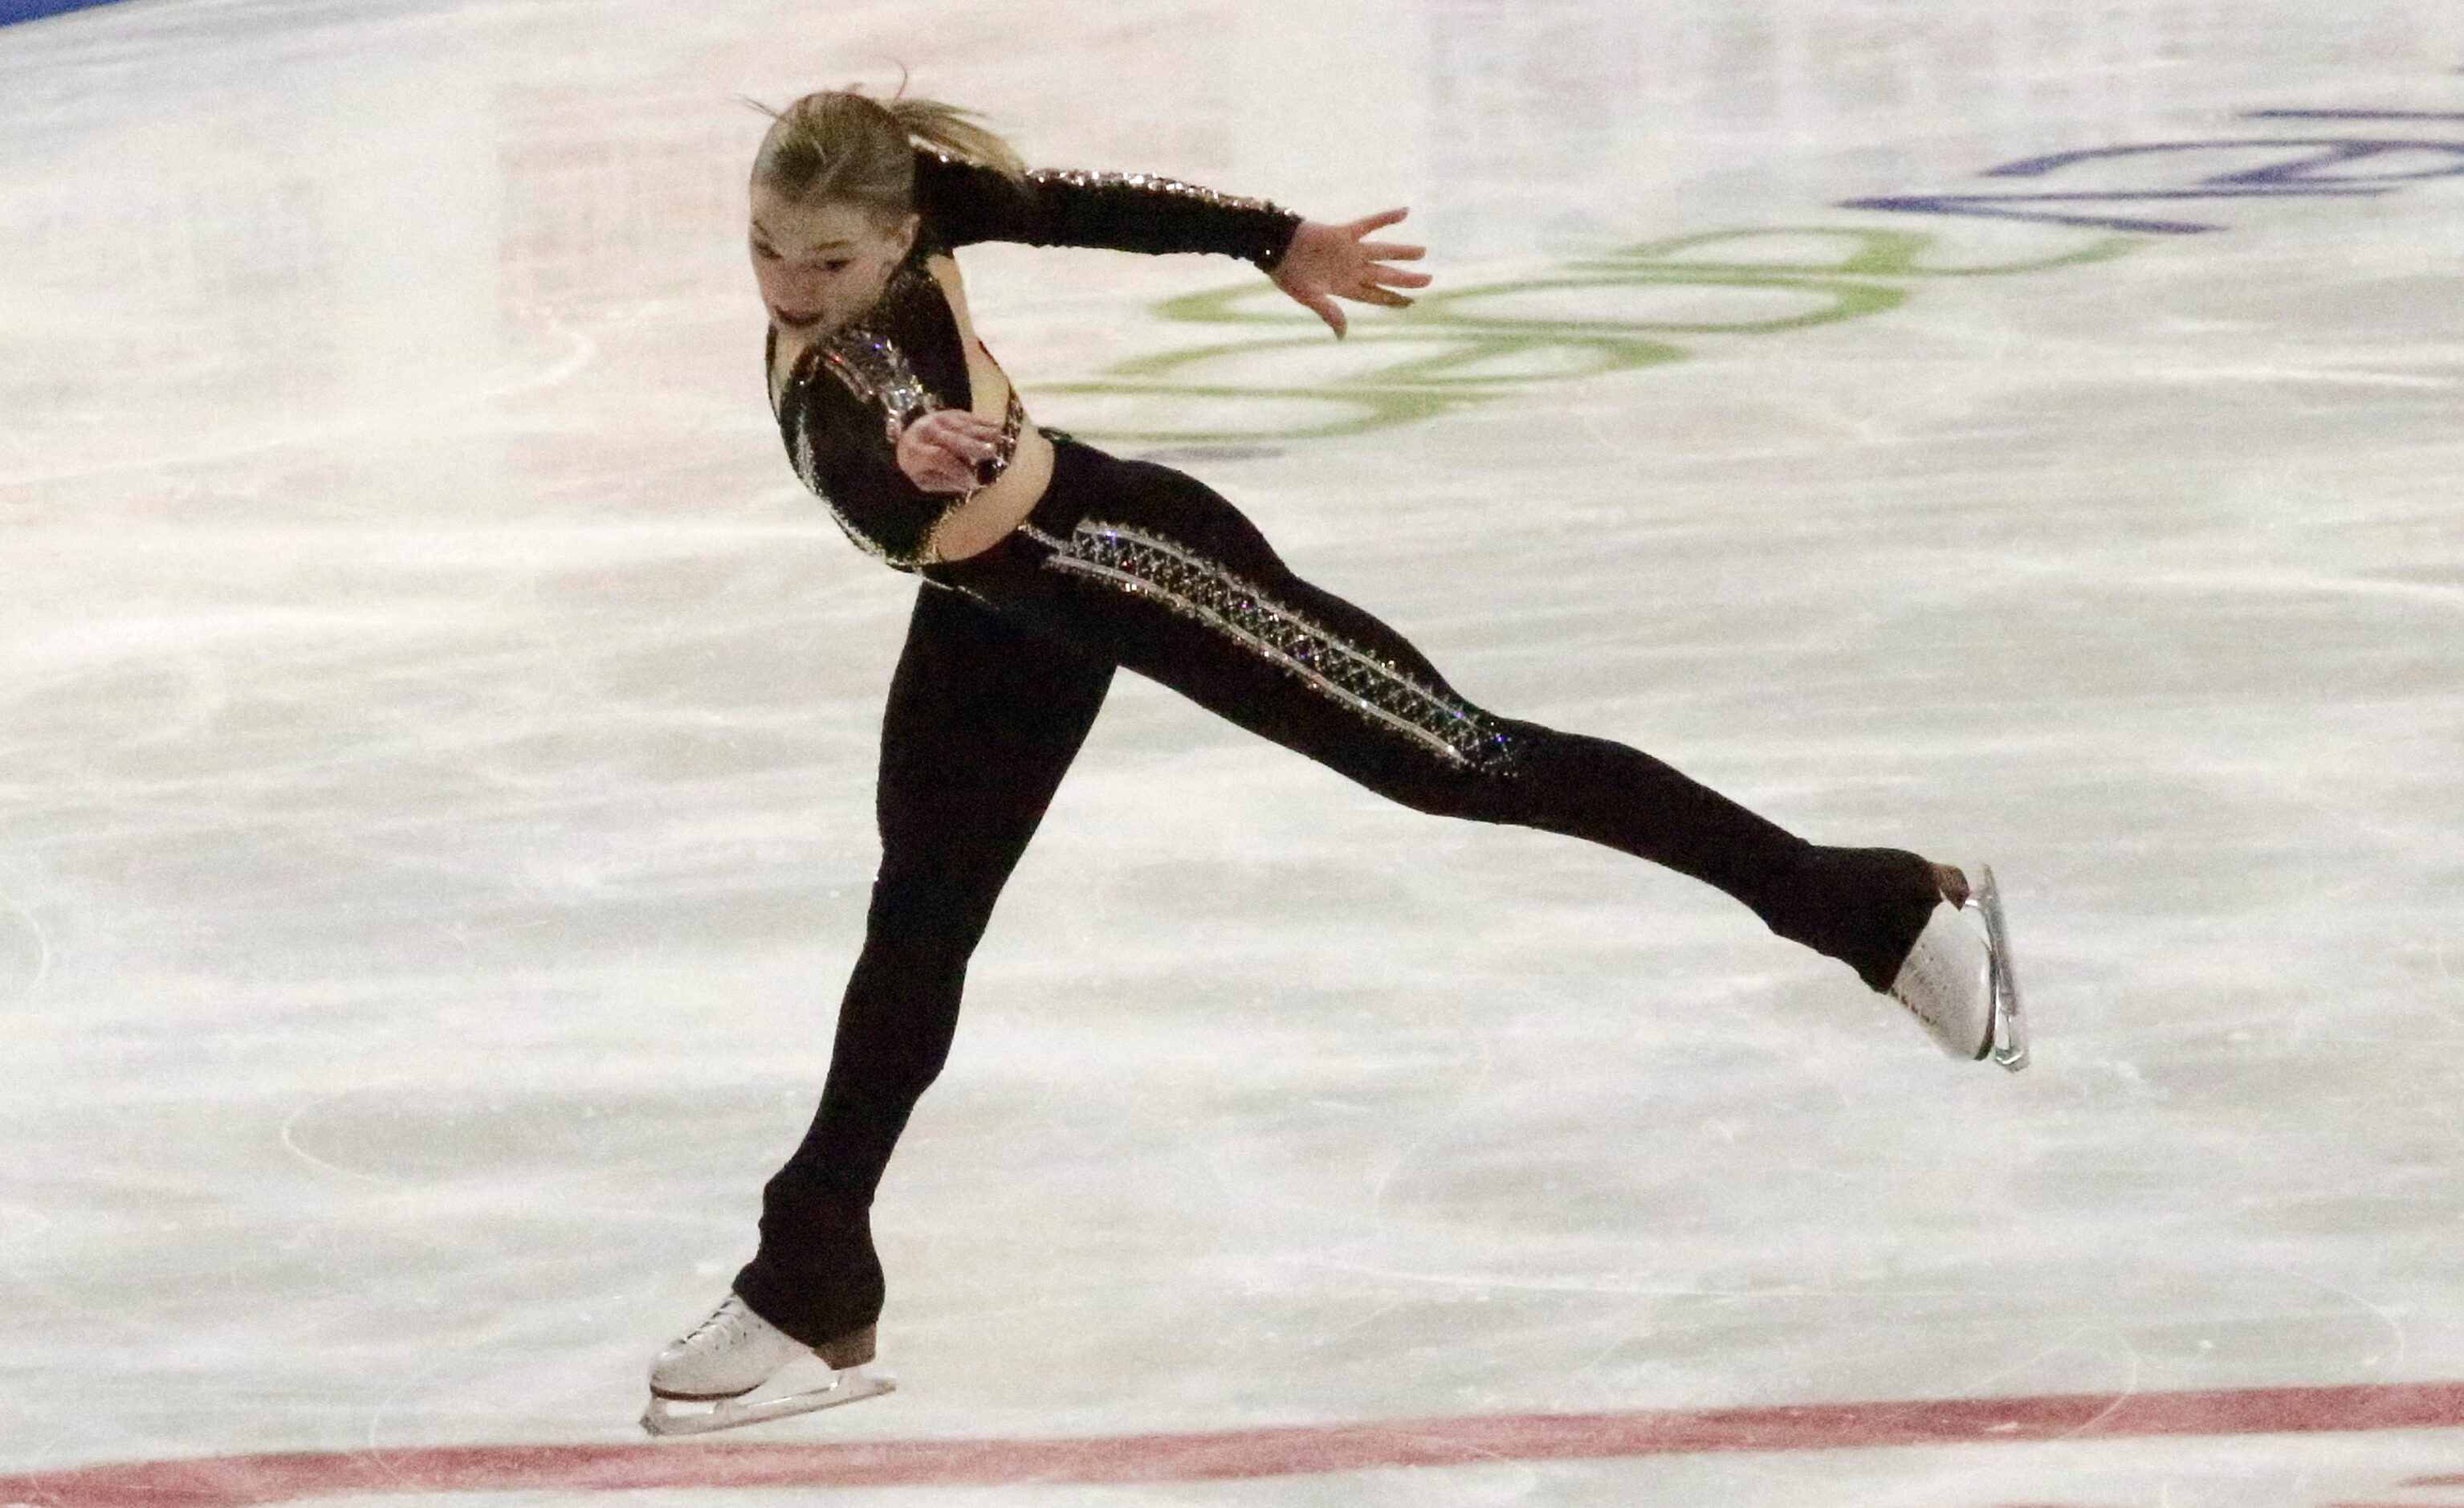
x,y
876,371
1153,183
1197,587
1013,421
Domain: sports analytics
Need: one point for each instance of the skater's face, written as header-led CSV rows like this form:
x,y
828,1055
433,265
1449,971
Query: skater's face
x,y
821,265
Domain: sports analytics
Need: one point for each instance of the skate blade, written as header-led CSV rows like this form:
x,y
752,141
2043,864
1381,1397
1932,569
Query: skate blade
x,y
2009,1044
679,1416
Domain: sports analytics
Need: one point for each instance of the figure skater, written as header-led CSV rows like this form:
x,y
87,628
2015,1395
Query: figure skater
x,y
1046,565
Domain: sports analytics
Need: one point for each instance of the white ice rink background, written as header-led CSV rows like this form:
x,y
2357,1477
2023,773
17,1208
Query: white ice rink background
x,y
435,739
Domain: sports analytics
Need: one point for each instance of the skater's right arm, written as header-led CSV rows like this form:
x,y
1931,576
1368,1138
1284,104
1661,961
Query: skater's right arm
x,y
848,452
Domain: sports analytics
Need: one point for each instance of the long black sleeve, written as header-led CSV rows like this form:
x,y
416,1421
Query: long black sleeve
x,y
840,445
963,203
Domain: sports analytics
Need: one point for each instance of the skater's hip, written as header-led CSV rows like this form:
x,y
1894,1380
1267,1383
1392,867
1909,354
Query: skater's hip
x,y
1092,490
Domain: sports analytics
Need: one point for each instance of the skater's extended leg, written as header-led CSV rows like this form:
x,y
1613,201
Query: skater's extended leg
x,y
1168,578
984,720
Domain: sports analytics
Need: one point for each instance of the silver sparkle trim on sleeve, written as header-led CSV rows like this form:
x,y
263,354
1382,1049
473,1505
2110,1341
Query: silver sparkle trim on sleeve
x,y
1013,424
1197,587
877,371
1153,183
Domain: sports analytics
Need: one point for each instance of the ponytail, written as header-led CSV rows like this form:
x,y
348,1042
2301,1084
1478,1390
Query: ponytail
x,y
842,144
958,133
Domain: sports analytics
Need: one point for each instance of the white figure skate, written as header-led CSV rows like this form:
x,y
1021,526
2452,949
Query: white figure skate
x,y
1960,983
705,1381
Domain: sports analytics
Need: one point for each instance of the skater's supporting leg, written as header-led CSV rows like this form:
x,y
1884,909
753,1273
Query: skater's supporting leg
x,y
1155,570
984,716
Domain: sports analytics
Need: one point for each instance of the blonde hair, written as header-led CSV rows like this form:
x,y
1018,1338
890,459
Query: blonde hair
x,y
842,146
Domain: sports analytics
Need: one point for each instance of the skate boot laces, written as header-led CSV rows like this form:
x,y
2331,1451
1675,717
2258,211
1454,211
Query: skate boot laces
x,y
731,1352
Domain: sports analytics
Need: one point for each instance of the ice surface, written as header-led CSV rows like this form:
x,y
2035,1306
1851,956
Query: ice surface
x,y
435,741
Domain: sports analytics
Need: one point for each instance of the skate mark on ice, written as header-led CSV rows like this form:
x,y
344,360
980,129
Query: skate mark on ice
x,y
2069,1340
291,1144
2129,1391
2394,1327
1251,1454
25,952
1484,1053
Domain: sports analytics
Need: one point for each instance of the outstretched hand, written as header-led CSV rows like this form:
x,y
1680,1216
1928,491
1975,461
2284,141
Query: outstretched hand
x,y
1327,262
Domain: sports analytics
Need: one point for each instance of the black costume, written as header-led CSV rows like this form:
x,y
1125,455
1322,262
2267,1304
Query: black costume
x,y
1124,562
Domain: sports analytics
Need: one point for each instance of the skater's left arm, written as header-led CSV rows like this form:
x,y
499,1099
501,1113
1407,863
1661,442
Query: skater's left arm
x,y
1315,263
963,203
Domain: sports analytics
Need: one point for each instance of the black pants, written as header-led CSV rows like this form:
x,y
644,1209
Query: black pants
x,y
1007,661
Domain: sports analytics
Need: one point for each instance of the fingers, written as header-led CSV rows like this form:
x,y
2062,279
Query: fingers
x,y
1370,287
1398,277
974,445
1375,222
1392,252
940,474
935,472
958,420
1374,285
963,455
958,433
940,450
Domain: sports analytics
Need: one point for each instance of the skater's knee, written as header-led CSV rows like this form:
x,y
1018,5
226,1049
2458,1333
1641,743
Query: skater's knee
x,y
935,909
883,1064
1483,781
896,1022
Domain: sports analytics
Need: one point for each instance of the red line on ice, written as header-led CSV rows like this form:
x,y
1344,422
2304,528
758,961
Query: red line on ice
x,y
241,1481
